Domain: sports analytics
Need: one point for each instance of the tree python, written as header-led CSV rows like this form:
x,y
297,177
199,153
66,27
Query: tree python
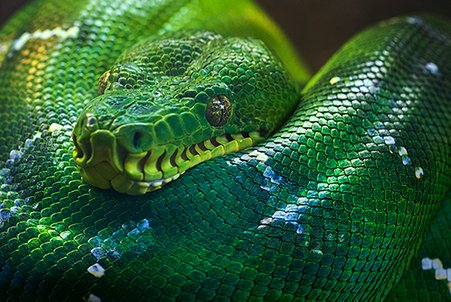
x,y
349,200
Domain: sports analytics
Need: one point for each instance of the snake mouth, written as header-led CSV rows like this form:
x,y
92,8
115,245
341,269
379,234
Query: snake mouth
x,y
104,163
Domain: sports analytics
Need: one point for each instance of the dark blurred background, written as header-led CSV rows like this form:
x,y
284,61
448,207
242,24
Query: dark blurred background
x,y
319,27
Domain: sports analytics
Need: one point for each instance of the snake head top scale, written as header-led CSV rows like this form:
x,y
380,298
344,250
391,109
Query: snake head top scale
x,y
172,103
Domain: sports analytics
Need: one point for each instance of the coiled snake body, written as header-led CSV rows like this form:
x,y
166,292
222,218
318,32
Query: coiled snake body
x,y
349,200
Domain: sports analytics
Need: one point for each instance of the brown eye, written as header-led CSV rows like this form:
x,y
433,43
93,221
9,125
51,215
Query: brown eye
x,y
103,82
218,110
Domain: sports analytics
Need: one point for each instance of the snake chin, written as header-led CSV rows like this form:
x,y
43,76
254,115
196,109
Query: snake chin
x,y
105,164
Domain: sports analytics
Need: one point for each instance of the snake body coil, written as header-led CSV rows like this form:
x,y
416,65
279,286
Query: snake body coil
x,y
349,200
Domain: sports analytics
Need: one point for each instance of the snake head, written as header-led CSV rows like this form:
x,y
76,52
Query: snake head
x,y
172,103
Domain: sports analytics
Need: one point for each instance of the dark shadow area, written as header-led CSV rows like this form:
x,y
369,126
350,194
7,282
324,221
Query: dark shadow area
x,y
8,7
319,27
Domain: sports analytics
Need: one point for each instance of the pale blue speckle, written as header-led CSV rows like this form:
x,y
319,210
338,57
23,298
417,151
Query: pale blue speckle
x,y
98,252
432,68
268,173
378,140
143,225
414,20
291,216
405,160
109,245
389,140
95,240
4,215
378,125
419,172
4,172
299,229
134,233
96,270
372,132
402,151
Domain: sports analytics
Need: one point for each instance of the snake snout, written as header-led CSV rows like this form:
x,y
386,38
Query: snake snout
x,y
82,149
99,156
86,124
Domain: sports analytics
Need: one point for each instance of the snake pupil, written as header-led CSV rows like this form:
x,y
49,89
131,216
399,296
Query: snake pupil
x,y
137,139
218,110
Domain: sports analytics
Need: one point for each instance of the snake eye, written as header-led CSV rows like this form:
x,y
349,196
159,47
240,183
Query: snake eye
x,y
218,110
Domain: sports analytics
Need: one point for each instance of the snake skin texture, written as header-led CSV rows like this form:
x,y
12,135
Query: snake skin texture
x,y
334,206
172,103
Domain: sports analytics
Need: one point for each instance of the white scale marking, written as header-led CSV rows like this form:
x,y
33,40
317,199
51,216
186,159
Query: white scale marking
x,y
93,298
334,80
260,156
58,32
419,172
414,20
379,136
96,270
441,273
14,157
289,214
432,68
54,127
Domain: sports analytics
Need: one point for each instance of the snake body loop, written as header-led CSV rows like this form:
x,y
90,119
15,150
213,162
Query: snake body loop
x,y
348,200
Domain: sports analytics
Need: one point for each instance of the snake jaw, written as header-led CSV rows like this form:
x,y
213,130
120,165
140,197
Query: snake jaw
x,y
104,163
149,171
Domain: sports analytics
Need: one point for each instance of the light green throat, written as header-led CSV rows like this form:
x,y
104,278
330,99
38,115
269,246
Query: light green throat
x,y
170,104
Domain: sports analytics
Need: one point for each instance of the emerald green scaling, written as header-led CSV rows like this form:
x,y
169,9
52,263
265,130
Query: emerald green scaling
x,y
347,201
172,103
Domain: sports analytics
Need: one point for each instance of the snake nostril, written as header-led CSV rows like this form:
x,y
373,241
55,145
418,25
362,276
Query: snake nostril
x,y
90,121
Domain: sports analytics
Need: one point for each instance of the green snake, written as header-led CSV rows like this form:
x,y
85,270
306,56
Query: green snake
x,y
172,103
348,200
